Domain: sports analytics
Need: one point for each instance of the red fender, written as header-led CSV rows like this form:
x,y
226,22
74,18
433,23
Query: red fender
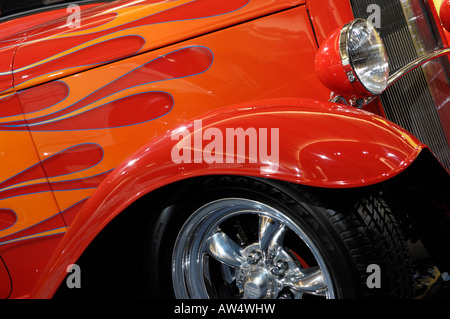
x,y
321,144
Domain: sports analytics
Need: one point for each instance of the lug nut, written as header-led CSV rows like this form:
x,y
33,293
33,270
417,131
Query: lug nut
x,y
280,268
254,257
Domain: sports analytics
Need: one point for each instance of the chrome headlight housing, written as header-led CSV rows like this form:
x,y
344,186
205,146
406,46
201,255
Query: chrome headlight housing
x,y
364,57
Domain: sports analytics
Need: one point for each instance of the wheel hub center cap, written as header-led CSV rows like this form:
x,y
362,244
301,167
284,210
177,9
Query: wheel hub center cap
x,y
257,285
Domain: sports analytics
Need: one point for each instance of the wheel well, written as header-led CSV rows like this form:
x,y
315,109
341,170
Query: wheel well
x,y
112,265
420,198
113,262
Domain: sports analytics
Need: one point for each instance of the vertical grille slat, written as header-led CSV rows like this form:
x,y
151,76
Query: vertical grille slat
x,y
409,102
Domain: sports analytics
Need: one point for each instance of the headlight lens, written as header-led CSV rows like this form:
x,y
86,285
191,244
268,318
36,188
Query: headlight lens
x,y
364,57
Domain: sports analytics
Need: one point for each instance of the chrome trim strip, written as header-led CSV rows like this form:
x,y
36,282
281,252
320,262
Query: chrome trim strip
x,y
415,64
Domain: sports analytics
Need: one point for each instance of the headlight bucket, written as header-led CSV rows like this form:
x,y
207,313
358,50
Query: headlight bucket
x,y
353,61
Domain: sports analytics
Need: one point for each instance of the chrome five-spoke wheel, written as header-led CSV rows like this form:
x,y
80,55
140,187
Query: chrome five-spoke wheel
x,y
241,248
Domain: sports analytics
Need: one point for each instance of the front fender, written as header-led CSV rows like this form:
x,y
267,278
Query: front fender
x,y
319,144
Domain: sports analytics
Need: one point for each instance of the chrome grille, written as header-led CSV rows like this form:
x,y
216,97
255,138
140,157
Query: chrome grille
x,y
410,102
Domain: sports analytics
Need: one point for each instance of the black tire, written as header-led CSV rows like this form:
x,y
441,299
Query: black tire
x,y
348,234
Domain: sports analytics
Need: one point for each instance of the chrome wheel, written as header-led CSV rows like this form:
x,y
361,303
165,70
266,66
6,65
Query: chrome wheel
x,y
241,248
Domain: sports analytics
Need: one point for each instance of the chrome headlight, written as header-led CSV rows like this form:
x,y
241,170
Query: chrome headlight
x,y
364,57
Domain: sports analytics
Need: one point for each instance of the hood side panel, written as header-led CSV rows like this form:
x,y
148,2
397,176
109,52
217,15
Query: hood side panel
x,y
121,29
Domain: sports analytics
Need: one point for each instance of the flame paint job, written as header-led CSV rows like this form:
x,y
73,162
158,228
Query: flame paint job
x,y
91,108
146,24
73,128
15,32
7,218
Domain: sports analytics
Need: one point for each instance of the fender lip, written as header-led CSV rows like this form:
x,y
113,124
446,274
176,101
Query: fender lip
x,y
152,167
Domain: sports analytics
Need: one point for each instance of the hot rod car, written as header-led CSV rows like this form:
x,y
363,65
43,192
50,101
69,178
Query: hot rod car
x,y
223,149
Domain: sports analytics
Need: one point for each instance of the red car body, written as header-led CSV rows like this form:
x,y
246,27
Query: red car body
x,y
88,114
